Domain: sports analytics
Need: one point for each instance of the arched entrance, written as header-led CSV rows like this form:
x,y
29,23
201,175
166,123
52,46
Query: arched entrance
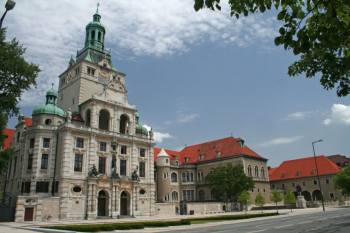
x,y
306,195
317,195
102,203
124,203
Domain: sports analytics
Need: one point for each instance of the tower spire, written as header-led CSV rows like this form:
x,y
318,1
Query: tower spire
x,y
98,5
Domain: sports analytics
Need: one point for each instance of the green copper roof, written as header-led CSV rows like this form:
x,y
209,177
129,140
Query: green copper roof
x,y
50,107
141,130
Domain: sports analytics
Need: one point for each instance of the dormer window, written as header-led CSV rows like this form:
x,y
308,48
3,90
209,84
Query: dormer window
x,y
187,159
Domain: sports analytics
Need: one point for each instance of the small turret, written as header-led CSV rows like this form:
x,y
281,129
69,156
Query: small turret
x,y
163,158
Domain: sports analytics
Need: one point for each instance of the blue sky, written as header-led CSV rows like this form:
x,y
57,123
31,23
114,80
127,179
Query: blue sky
x,y
193,76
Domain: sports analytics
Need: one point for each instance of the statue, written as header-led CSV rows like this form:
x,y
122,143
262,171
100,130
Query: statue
x,y
115,175
134,175
93,171
69,115
151,134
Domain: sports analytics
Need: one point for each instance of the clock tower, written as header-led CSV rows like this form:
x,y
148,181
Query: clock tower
x,y
91,73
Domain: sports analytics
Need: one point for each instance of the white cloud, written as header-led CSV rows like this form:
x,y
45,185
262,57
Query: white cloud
x,y
281,141
54,30
340,114
298,115
158,136
185,118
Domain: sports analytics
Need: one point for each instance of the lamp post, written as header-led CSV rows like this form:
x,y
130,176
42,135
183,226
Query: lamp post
x,y
318,177
10,4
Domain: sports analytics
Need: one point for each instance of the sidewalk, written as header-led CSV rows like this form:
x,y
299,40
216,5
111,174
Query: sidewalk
x,y
12,227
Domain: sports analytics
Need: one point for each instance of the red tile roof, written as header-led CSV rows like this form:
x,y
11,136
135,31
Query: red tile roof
x,y
28,121
9,133
226,147
304,167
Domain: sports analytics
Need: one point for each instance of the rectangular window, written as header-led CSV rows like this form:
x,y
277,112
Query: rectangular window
x,y
91,71
188,195
315,182
327,181
101,165
123,149
103,146
42,187
30,161
142,169
123,167
79,143
55,186
31,143
46,142
78,163
14,167
26,187
44,161
142,152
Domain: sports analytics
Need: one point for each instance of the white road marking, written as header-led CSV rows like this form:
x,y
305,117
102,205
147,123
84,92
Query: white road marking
x,y
257,231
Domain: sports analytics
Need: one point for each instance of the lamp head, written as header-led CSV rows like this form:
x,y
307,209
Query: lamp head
x,y
10,4
320,140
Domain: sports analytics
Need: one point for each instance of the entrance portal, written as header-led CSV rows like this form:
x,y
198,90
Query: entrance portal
x,y
102,203
28,214
124,203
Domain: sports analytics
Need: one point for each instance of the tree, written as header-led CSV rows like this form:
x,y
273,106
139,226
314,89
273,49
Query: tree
x,y
16,76
228,182
289,199
342,180
260,201
244,199
317,31
276,197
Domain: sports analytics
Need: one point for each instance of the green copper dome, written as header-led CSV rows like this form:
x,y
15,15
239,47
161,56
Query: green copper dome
x,y
139,128
50,107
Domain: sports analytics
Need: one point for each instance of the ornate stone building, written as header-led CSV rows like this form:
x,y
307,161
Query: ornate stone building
x,y
85,155
180,175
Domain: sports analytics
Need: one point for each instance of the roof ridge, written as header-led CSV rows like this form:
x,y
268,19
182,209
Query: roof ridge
x,y
207,142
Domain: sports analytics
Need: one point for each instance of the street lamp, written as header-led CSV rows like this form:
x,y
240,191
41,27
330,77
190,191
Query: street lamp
x,y
10,4
318,177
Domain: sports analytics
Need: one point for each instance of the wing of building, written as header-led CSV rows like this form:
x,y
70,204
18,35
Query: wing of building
x,y
300,176
84,153
180,175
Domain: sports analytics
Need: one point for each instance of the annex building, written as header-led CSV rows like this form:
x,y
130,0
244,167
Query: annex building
x,y
299,176
84,153
180,175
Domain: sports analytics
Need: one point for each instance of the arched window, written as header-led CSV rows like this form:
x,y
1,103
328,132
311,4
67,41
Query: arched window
x,y
183,177
201,195
124,124
256,171
103,121
93,35
173,177
99,36
88,117
48,122
191,176
262,171
174,196
213,194
249,170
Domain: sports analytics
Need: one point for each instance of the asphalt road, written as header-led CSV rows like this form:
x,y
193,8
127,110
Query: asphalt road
x,y
330,222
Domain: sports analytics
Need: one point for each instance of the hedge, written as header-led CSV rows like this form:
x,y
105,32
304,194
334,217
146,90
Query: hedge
x,y
119,226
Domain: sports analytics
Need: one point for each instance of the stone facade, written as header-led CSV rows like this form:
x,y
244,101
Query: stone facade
x,y
86,156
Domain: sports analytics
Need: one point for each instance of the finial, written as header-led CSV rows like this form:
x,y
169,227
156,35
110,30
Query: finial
x,y
52,84
98,5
